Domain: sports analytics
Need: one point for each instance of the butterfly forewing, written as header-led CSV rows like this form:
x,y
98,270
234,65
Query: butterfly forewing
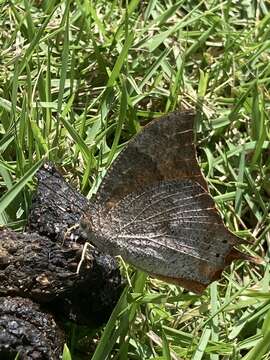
x,y
164,150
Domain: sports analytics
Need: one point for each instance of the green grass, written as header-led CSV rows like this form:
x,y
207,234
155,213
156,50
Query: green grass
x,y
79,78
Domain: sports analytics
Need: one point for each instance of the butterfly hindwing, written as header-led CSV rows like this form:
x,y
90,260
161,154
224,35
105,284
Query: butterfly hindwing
x,y
172,230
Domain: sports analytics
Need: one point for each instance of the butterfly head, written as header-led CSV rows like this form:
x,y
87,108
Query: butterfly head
x,y
94,229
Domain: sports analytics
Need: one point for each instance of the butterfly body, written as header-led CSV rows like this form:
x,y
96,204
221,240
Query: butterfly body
x,y
154,209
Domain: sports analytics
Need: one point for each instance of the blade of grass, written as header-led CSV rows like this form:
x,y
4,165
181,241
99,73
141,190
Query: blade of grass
x,y
10,195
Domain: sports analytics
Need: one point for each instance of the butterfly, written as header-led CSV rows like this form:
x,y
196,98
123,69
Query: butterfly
x,y
154,209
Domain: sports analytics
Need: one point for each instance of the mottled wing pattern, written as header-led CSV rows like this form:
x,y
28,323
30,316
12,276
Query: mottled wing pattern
x,y
164,150
172,230
153,208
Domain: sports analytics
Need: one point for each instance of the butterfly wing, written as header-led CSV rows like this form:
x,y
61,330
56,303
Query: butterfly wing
x,y
164,150
173,231
153,208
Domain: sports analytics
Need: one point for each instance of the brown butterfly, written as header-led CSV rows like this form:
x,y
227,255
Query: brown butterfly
x,y
154,209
